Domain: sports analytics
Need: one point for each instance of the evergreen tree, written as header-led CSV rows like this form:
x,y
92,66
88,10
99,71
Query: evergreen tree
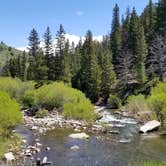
x,y
41,69
33,43
90,71
148,19
60,46
33,51
24,66
76,59
133,32
161,18
67,64
107,75
48,52
140,56
116,36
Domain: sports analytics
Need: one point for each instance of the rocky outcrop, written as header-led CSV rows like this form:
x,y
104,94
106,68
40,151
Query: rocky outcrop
x,y
150,126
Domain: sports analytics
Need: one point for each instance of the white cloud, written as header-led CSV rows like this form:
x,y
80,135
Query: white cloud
x,y
71,38
79,13
23,48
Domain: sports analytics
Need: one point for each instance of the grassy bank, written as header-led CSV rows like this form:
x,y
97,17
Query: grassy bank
x,y
10,144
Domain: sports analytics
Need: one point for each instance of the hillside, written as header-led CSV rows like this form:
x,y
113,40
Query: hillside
x,y
6,52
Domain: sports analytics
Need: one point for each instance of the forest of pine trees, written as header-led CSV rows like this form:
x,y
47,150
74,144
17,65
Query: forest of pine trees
x,y
128,61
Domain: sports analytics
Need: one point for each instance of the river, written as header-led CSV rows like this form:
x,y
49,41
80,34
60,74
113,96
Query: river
x,y
123,146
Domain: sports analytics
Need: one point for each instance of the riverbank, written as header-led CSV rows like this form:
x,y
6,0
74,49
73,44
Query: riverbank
x,y
12,144
55,120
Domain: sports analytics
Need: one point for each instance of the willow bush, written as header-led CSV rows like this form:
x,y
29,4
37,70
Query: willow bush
x,y
10,114
57,95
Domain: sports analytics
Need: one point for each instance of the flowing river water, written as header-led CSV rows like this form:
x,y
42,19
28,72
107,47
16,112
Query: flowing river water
x,y
122,146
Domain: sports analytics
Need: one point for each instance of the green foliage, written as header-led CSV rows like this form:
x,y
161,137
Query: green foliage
x,y
10,114
136,104
107,75
15,87
114,101
157,101
90,72
41,113
80,110
29,98
141,52
60,96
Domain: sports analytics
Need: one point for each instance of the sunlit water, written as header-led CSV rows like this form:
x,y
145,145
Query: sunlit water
x,y
124,149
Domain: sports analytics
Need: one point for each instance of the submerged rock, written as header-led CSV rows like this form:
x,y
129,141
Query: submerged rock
x,y
114,132
75,147
125,141
79,136
150,126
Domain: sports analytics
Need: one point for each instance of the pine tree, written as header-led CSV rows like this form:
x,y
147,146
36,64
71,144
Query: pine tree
x,y
41,69
140,56
161,18
24,66
76,59
107,75
33,51
90,71
48,52
116,36
133,32
148,19
33,43
67,64
60,46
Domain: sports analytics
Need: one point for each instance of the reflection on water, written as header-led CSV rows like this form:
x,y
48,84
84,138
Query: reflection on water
x,y
104,150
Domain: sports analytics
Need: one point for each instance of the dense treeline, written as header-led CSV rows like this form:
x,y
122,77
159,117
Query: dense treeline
x,y
128,61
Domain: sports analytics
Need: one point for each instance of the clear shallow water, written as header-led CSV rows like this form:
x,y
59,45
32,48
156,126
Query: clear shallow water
x,y
102,150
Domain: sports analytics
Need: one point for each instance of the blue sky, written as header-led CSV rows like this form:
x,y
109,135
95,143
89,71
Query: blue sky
x,y
18,17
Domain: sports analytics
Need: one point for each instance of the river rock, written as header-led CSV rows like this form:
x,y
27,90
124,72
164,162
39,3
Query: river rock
x,y
38,144
79,136
114,132
34,128
150,126
75,147
48,148
125,141
9,156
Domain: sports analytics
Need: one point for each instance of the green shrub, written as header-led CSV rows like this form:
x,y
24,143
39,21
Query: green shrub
x,y
137,104
41,113
58,95
15,87
29,98
80,110
10,114
114,102
157,101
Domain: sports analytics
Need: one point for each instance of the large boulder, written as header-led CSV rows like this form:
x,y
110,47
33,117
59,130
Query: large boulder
x,y
79,136
150,126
